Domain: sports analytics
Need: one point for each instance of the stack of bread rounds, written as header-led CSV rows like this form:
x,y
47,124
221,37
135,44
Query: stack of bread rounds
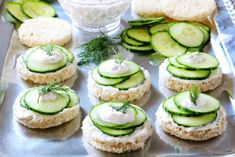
x,y
188,10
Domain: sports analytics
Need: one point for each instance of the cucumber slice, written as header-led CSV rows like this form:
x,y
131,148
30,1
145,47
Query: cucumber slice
x,y
133,68
69,54
172,61
74,98
207,63
106,81
15,10
38,67
211,105
28,52
206,34
170,107
38,8
164,44
7,17
207,28
160,27
114,132
187,34
195,49
146,21
194,121
140,49
130,41
49,107
188,74
139,120
22,103
132,82
139,34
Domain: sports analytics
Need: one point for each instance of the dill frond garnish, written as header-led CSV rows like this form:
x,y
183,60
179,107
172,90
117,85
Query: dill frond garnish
x,y
48,49
121,108
97,50
194,94
52,87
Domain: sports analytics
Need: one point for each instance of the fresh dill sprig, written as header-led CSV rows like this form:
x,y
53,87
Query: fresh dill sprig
x,y
118,57
48,49
97,50
194,94
121,108
52,87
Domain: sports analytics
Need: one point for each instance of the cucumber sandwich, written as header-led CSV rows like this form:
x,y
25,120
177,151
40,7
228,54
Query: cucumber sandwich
x,y
46,106
119,79
192,115
48,63
181,72
110,123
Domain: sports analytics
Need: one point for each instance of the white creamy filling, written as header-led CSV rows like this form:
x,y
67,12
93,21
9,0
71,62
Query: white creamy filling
x,y
164,73
108,114
42,57
195,58
50,96
115,68
166,117
189,104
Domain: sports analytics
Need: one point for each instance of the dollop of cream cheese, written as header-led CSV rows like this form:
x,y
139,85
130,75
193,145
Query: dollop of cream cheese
x,y
116,68
44,58
50,96
110,115
195,58
201,102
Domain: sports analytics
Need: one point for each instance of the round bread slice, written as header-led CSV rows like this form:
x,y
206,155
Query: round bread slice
x,y
189,10
120,144
180,85
147,8
44,31
206,132
61,75
108,93
34,120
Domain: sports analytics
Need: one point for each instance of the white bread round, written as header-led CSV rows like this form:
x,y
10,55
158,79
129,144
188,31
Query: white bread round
x,y
109,93
188,10
34,120
206,132
180,85
116,144
147,8
45,30
61,75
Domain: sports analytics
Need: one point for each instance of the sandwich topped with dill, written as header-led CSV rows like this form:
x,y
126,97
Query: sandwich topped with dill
x,y
118,79
46,106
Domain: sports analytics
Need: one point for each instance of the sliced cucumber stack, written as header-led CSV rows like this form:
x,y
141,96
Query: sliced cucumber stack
x,y
193,115
133,77
21,11
146,21
165,45
32,63
186,34
168,38
36,99
192,66
114,129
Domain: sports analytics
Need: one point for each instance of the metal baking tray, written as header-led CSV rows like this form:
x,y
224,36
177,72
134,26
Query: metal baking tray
x,y
66,140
